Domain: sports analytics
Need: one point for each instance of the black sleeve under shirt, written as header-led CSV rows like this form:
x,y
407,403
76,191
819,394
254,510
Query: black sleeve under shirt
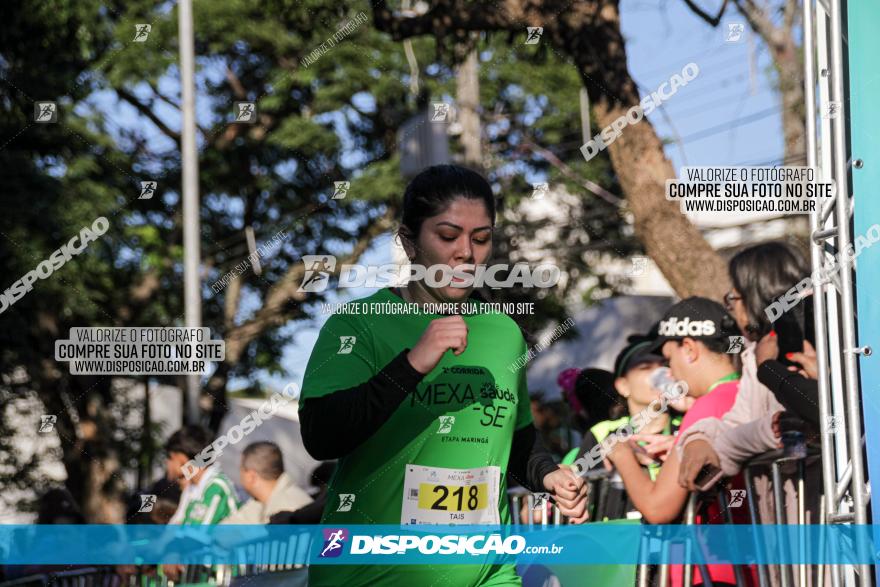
x,y
588,441
795,392
335,424
529,460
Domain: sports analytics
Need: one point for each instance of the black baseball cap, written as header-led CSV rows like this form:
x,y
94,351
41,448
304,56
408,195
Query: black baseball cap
x,y
636,352
697,318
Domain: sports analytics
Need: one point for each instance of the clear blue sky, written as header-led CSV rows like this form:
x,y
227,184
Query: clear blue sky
x,y
728,115
707,114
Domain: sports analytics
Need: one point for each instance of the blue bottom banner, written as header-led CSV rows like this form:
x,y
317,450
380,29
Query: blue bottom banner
x,y
596,543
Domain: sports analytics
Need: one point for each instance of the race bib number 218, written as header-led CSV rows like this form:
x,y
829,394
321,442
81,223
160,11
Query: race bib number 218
x,y
434,495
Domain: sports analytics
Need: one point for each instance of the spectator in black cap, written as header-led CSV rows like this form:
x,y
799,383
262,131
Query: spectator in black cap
x,y
634,370
628,386
694,337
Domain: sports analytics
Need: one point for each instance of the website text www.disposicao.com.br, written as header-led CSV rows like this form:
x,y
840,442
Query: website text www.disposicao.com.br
x,y
430,544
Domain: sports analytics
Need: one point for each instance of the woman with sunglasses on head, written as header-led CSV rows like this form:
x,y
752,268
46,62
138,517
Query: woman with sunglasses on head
x,y
760,275
423,411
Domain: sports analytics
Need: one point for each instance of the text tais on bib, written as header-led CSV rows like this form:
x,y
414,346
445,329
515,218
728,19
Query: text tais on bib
x,y
434,495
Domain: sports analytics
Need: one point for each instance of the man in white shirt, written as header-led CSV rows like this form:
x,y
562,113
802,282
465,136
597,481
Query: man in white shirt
x,y
262,476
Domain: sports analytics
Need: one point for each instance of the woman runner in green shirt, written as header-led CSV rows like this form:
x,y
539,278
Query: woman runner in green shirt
x,y
428,414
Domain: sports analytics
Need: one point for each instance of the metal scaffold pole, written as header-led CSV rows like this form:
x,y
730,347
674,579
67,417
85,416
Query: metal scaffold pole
x,y
820,292
190,183
838,38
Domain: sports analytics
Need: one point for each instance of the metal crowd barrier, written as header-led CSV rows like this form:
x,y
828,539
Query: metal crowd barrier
x,y
661,572
282,555
274,564
607,495
86,577
775,462
281,570
600,502
199,575
519,496
604,492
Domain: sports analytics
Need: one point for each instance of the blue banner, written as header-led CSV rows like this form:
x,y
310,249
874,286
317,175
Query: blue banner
x,y
862,46
609,544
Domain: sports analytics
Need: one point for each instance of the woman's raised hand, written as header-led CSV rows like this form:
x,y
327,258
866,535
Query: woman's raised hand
x,y
441,335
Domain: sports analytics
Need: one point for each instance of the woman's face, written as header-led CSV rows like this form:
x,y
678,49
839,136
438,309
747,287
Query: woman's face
x,y
737,307
460,235
635,384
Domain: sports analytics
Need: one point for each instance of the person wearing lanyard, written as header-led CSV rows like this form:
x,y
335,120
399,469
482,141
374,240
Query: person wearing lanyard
x,y
693,337
428,414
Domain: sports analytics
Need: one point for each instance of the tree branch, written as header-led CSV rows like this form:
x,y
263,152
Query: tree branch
x,y
148,112
712,20
788,16
570,173
275,309
590,33
257,131
235,84
173,104
758,20
140,293
162,96
231,301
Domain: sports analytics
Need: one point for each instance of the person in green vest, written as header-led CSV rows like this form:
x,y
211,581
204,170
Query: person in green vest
x,y
631,385
630,388
427,413
208,494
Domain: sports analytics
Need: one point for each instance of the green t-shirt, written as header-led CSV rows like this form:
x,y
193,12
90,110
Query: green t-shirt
x,y
462,415
215,503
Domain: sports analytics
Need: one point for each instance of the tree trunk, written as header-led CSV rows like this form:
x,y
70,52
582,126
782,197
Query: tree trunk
x,y
92,466
468,102
778,34
791,87
681,253
687,261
